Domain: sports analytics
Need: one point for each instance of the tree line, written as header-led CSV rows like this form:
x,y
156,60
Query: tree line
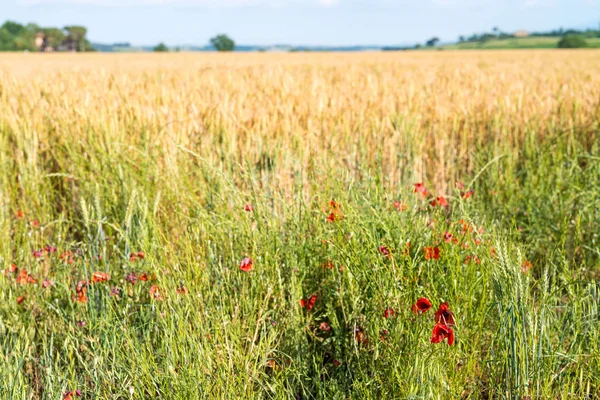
x,y
17,37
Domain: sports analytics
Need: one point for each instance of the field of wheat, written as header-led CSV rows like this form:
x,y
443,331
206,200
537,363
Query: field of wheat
x,y
367,225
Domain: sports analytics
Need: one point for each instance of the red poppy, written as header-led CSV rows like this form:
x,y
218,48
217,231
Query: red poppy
x,y
141,255
448,237
389,312
81,292
336,363
144,277
131,278
20,214
432,253
155,292
331,217
47,283
38,253
246,264
50,249
361,337
527,265
334,206
399,206
324,326
310,303
35,223
444,316
328,265
441,332
441,201
421,306
248,208
24,278
181,290
467,194
21,299
12,268
100,277
115,291
67,257
385,251
421,189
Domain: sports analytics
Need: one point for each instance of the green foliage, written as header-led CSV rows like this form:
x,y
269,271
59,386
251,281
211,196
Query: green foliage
x,y
17,37
161,47
222,43
432,42
572,42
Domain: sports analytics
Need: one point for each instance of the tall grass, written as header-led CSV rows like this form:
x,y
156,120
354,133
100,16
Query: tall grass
x,y
120,154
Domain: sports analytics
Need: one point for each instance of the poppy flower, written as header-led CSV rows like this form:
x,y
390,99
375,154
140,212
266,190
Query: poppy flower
x,y
144,277
328,265
421,189
444,316
527,265
98,277
310,303
385,251
50,249
334,205
467,194
432,253
47,283
69,395
67,257
155,292
389,312
336,363
24,278
324,326
81,292
131,278
38,253
115,291
441,332
246,264
35,223
399,206
21,299
181,290
441,201
360,336
81,324
421,306
448,237
331,217
248,208
20,214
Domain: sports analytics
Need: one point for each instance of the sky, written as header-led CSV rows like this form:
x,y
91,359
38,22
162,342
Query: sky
x,y
299,22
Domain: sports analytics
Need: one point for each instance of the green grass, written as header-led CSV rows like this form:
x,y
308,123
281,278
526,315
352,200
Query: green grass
x,y
241,334
517,43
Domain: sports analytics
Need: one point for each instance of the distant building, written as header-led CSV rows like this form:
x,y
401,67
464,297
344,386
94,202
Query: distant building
x,y
41,42
521,34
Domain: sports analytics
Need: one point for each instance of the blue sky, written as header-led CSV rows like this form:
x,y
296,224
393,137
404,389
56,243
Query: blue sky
x,y
309,22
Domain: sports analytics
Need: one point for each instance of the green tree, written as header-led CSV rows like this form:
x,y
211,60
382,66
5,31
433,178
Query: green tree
x,y
572,42
432,42
222,43
14,28
76,37
161,48
54,36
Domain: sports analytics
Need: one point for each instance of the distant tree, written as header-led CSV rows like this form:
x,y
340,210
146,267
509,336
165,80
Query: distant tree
x,y
75,39
495,30
14,28
461,38
222,43
161,48
54,36
572,42
432,42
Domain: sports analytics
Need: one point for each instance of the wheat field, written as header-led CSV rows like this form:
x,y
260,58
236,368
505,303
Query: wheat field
x,y
306,225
